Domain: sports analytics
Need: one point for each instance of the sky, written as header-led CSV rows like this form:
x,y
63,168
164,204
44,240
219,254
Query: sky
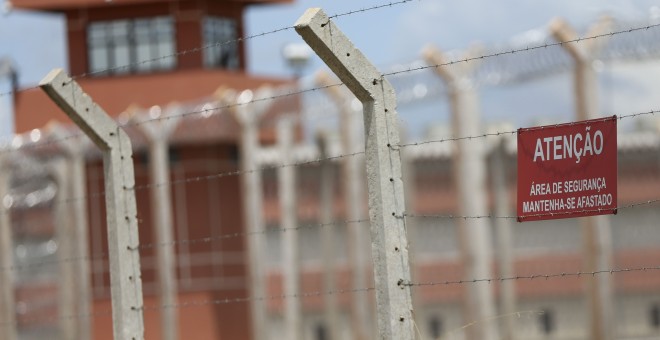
x,y
398,33
36,41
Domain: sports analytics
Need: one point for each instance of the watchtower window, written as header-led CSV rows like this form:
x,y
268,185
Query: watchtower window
x,y
221,47
126,46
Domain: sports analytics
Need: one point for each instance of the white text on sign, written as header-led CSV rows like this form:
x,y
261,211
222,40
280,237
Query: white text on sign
x,y
572,186
569,146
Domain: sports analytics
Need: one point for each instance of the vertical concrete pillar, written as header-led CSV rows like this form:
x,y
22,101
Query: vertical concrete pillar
x,y
64,234
389,243
353,189
7,299
157,133
328,239
248,113
504,240
121,211
596,230
470,175
286,176
75,153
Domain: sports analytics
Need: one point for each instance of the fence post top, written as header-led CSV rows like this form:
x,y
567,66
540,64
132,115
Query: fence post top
x,y
562,31
91,118
310,15
340,55
225,95
455,72
337,94
249,105
434,57
58,131
322,78
157,126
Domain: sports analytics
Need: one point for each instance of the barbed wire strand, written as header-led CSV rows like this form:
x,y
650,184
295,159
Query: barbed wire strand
x,y
207,239
267,230
38,144
533,276
303,295
513,132
204,178
308,226
320,159
555,214
494,317
212,45
219,110
242,172
38,264
524,49
194,303
205,111
411,69
366,9
24,321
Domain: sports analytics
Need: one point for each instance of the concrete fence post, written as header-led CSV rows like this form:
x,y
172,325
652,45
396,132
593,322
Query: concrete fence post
x,y
123,241
248,112
7,299
328,239
157,134
286,176
470,175
383,163
596,230
64,234
504,239
353,189
74,150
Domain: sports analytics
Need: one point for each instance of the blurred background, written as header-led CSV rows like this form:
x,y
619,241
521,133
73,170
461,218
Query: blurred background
x,y
190,80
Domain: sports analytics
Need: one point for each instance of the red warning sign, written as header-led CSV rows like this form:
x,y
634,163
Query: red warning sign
x,y
567,170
